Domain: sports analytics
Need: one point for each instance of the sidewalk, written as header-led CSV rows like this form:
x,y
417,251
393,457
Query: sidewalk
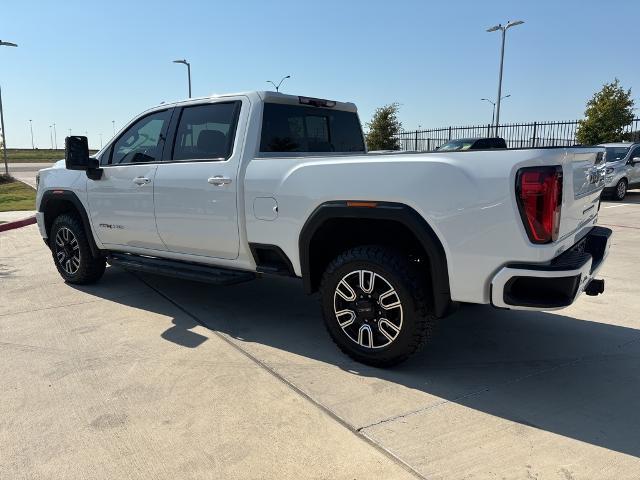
x,y
115,381
6,217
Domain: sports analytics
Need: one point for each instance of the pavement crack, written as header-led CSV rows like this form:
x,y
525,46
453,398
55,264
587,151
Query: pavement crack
x,y
361,435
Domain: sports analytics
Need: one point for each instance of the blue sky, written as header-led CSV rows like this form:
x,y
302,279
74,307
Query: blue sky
x,y
82,64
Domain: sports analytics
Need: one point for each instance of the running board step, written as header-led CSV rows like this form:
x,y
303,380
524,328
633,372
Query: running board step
x,y
175,268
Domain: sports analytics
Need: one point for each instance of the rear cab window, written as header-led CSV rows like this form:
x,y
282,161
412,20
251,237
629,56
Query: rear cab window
x,y
206,132
299,128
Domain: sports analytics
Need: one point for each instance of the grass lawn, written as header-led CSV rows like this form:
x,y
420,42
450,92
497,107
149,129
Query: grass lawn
x,y
15,195
27,155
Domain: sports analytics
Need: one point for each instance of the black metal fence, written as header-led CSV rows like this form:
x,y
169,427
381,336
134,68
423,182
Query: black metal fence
x,y
517,135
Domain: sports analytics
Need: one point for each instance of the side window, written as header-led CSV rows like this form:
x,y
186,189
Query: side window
x,y
143,141
293,128
206,131
635,153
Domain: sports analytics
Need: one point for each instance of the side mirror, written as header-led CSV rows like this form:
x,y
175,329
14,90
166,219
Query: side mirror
x,y
76,153
634,160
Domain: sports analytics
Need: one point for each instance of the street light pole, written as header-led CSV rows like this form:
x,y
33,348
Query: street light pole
x,y
33,145
184,62
55,136
113,124
4,135
503,30
51,135
279,83
493,113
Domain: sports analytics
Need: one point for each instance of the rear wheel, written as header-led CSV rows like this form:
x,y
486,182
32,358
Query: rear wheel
x,y
375,305
621,189
72,253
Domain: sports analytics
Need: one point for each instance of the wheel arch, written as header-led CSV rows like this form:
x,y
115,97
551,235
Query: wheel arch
x,y
56,202
399,222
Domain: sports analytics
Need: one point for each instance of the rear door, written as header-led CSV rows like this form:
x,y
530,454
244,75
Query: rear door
x,y
121,202
196,187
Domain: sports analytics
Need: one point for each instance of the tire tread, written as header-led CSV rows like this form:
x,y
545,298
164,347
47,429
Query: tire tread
x,y
415,283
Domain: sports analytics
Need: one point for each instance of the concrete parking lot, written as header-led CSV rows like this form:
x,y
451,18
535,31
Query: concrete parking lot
x,y
149,377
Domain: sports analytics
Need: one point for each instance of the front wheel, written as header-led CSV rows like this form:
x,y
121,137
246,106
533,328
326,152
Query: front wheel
x,y
72,253
621,189
376,305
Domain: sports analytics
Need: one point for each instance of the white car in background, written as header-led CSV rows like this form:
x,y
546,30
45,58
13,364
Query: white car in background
x,y
622,168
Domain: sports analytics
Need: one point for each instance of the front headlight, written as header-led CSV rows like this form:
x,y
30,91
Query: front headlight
x,y
609,170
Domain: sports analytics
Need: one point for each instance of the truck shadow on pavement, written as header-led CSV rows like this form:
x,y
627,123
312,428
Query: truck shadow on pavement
x,y
571,377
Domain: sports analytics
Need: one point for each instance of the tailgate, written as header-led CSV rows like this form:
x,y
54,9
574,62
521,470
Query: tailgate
x,y
583,173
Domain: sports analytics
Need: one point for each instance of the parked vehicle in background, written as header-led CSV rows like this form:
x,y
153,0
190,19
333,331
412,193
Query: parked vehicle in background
x,y
225,188
622,168
473,144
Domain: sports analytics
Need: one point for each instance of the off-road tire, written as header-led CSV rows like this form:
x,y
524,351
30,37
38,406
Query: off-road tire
x,y
417,322
85,268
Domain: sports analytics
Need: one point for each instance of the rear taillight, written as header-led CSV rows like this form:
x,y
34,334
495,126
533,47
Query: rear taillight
x,y
539,197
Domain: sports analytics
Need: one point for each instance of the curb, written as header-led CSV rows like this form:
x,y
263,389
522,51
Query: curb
x,y
17,224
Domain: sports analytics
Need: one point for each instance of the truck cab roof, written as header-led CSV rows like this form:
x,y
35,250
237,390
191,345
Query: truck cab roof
x,y
266,96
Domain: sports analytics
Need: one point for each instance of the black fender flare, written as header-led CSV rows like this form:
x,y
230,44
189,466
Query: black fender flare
x,y
397,212
50,197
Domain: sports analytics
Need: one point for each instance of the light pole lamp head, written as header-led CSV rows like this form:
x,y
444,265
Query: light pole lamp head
x,y
495,28
183,61
514,23
8,44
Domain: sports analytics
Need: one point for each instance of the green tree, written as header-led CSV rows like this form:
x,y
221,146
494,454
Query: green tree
x,y
384,128
607,113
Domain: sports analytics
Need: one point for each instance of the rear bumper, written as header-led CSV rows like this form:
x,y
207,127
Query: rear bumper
x,y
556,284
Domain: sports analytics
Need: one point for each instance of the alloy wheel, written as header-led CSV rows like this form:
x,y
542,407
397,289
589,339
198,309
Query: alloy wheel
x,y
368,309
67,250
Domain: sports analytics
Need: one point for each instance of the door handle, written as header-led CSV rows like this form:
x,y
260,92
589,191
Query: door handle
x,y
219,180
141,181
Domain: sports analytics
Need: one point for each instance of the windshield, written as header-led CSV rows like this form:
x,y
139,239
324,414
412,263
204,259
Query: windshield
x,y
456,145
616,153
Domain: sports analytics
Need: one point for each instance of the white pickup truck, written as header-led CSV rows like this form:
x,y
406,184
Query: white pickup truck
x,y
225,188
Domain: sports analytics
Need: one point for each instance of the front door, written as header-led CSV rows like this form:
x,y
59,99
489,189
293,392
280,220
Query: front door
x,y
121,202
196,188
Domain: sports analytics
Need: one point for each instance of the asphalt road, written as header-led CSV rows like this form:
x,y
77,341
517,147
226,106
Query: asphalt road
x,y
26,172
149,377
